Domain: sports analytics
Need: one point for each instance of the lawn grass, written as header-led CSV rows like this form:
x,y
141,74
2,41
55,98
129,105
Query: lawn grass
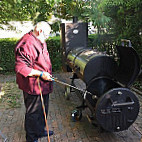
x,y
10,95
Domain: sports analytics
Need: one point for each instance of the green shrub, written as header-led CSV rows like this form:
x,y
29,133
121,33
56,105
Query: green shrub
x,y
95,40
7,58
53,45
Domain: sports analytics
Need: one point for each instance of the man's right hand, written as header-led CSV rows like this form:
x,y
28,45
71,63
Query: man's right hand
x,y
46,76
43,75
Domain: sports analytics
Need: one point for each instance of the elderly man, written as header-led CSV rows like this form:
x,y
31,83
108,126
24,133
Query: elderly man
x,y
31,61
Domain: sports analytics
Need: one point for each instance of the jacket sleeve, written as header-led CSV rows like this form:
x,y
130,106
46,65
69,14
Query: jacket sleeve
x,y
24,59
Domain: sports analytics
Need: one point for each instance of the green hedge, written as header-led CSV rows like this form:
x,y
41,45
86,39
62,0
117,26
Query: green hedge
x,y
7,58
53,45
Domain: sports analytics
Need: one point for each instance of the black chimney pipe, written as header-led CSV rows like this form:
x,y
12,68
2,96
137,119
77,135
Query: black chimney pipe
x,y
75,19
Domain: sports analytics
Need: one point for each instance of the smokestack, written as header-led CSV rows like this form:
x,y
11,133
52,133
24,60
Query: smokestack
x,y
75,19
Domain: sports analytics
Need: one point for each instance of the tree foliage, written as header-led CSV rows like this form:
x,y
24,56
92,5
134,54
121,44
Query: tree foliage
x,y
85,10
126,19
94,13
21,10
67,9
38,10
11,10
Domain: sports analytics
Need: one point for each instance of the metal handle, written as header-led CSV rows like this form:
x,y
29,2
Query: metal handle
x,y
126,40
122,104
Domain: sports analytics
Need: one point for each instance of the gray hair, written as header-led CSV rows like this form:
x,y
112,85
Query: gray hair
x,y
42,26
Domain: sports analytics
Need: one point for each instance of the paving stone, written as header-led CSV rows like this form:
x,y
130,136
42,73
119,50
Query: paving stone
x,y
59,120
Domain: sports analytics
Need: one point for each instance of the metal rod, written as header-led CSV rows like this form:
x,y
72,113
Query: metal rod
x,y
66,84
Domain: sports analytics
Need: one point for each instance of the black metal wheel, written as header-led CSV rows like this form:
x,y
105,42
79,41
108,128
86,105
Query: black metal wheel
x,y
76,115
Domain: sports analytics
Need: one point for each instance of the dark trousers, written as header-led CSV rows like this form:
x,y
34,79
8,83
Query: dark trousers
x,y
34,117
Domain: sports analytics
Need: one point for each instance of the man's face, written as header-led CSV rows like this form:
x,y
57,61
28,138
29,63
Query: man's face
x,y
46,34
43,35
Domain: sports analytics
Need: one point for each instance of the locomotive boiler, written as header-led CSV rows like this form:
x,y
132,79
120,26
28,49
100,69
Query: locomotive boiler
x,y
113,105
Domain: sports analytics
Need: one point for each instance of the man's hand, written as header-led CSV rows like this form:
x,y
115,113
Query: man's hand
x,y
43,75
46,76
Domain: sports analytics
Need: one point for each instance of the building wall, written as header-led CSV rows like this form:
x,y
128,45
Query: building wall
x,y
15,29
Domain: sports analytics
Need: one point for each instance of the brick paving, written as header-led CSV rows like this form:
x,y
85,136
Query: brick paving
x,y
59,120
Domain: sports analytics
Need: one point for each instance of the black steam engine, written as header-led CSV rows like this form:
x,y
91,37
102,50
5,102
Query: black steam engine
x,y
111,102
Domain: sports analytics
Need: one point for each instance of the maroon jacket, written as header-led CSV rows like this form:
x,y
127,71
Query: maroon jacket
x,y
30,54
